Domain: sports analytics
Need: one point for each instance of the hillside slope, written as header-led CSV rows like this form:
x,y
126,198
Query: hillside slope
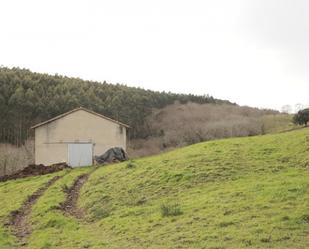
x,y
233,193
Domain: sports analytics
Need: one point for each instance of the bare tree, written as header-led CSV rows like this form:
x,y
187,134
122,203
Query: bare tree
x,y
299,107
286,109
182,124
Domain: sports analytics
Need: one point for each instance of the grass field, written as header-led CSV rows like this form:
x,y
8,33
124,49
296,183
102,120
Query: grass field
x,y
233,193
12,194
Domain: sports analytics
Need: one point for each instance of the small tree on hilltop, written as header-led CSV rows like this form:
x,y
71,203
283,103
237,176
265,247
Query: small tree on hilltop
x,y
302,117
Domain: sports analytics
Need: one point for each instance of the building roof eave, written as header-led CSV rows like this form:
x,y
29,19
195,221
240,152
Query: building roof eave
x,y
78,109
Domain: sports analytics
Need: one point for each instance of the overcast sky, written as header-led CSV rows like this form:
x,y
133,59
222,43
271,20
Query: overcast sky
x,y
253,52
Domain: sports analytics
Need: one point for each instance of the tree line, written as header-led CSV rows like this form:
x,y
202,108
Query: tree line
x,y
27,98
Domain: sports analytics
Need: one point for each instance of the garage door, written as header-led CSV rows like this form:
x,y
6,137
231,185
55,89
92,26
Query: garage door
x,y
80,155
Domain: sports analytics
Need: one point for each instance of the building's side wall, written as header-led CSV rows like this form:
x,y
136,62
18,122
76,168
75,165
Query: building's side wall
x,y
51,140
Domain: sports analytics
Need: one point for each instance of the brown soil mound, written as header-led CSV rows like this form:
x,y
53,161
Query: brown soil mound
x,y
35,170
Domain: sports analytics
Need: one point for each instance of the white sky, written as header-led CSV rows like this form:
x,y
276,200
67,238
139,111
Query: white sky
x,y
253,52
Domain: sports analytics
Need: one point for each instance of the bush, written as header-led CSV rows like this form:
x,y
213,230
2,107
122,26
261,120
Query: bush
x,y
99,212
302,117
170,210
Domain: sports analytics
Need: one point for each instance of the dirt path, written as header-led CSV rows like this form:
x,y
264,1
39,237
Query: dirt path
x,y
19,218
69,206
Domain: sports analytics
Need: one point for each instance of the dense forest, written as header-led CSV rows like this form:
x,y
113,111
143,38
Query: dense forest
x,y
27,98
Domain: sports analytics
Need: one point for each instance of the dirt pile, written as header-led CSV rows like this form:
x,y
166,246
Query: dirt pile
x,y
35,170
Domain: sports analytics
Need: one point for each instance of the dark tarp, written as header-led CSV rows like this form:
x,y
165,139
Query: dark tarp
x,y
112,155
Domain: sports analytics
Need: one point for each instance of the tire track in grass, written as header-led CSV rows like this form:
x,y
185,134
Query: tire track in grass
x,y
19,218
69,206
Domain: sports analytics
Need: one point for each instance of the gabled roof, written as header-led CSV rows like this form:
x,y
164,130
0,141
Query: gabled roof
x,y
75,110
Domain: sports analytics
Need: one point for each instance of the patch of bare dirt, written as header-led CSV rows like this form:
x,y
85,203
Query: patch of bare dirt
x,y
69,206
19,218
35,170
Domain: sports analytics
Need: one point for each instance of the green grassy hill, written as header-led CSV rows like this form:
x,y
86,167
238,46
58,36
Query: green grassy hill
x,y
234,193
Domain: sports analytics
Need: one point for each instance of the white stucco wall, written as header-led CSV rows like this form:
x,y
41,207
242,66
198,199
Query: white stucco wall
x,y
51,140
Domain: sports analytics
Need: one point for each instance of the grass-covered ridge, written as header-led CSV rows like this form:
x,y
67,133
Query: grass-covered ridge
x,y
234,193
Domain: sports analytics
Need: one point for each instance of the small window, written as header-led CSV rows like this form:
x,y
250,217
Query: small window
x,y
120,129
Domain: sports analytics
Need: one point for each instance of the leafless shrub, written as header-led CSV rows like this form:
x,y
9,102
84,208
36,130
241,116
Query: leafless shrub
x,y
145,147
183,124
191,123
13,158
